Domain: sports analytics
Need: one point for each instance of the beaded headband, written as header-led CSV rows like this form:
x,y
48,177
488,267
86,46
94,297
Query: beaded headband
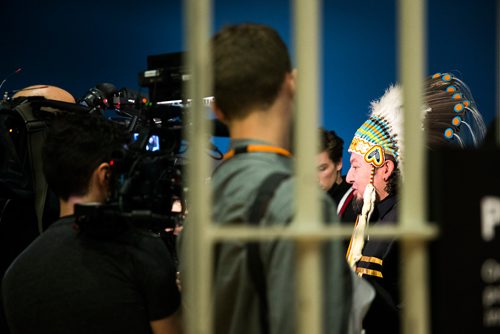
x,y
379,135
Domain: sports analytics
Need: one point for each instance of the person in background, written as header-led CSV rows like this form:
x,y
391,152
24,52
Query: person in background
x,y
18,219
330,177
47,91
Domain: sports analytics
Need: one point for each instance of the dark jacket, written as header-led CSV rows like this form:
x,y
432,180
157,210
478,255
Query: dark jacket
x,y
380,266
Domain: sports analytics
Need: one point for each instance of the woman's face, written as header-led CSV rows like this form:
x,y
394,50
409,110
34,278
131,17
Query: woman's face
x,y
328,171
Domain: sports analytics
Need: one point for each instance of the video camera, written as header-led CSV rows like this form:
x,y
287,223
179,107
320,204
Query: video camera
x,y
147,188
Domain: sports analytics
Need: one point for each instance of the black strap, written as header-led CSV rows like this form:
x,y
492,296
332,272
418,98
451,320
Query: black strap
x,y
36,131
255,265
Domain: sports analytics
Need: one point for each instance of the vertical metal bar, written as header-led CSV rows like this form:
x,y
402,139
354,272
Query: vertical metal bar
x,y
411,74
197,249
307,39
308,212
413,213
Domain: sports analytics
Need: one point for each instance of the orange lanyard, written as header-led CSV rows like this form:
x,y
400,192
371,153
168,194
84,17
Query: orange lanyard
x,y
257,148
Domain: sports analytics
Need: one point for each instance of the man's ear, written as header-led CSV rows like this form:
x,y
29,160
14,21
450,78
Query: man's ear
x,y
102,174
388,169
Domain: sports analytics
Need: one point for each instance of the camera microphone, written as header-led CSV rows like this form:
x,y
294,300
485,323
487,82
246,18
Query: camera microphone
x,y
11,74
108,89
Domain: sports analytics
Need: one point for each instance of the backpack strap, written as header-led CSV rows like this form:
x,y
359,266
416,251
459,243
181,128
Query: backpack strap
x,y
36,131
254,261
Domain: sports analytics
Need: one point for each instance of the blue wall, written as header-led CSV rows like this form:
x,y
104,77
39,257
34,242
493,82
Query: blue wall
x,y
77,44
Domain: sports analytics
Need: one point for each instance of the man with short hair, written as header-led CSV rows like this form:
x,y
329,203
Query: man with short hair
x,y
255,291
71,281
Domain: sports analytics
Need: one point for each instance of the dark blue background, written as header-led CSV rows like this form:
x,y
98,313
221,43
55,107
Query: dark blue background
x,y
77,44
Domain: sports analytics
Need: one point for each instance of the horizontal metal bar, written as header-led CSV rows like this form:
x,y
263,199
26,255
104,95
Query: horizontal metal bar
x,y
221,233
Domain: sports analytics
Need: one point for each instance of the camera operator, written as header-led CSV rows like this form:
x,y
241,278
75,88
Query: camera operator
x,y
70,281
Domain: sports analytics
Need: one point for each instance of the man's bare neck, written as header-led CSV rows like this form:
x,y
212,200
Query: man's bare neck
x,y
272,126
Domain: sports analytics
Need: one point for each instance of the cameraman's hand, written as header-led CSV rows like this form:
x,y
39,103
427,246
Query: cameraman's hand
x,y
176,231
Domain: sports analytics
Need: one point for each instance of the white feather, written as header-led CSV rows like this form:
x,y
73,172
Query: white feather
x,y
360,230
390,108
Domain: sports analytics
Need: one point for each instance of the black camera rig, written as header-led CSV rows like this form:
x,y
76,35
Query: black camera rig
x,y
147,188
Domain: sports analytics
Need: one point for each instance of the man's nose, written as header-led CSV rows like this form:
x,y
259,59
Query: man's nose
x,y
349,177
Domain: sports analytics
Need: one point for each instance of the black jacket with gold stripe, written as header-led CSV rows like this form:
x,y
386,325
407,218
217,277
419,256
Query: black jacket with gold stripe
x,y
380,266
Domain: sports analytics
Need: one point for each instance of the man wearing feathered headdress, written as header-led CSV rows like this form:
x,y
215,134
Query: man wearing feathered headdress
x,y
449,117
375,167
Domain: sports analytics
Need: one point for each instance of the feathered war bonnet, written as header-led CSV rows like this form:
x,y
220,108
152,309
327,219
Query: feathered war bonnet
x,y
450,117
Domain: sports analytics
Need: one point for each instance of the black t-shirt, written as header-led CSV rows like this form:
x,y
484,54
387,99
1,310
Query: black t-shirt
x,y
66,282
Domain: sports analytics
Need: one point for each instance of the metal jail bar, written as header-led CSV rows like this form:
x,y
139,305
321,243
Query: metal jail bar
x,y
197,249
201,234
413,209
308,212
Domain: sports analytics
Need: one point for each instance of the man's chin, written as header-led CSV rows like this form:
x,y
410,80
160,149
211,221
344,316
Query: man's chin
x,y
357,205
